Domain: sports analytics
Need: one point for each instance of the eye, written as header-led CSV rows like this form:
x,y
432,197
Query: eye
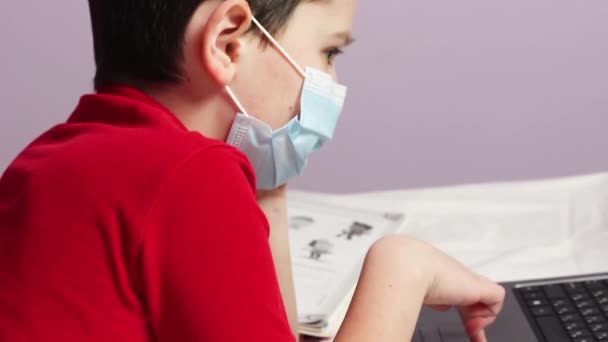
x,y
332,53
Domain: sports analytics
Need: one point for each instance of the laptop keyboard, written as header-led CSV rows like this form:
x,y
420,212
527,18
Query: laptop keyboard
x,y
573,311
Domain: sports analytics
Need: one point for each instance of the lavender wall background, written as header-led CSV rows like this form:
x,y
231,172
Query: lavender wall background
x,y
441,92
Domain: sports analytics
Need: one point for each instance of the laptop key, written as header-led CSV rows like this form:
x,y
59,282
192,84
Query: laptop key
x,y
595,319
562,310
605,309
529,288
533,295
541,311
584,303
579,333
537,302
590,311
574,287
570,318
602,336
599,327
599,293
601,300
575,325
585,339
552,329
579,296
554,291
595,284
560,302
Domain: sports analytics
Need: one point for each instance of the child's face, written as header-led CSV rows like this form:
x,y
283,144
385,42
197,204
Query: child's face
x,y
267,84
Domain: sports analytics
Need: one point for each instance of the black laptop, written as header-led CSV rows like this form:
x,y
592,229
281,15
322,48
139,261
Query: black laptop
x,y
567,309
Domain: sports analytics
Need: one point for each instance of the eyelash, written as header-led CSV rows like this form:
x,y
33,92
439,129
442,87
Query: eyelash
x,y
332,53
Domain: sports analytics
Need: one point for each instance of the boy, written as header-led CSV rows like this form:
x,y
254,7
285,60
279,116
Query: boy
x,y
157,212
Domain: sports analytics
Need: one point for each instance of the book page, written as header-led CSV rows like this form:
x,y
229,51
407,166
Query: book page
x,y
328,244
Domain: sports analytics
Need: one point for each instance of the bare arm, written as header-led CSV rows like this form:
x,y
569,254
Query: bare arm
x,y
388,297
399,276
274,205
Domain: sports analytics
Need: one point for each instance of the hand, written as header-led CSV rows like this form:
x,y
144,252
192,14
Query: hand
x,y
477,299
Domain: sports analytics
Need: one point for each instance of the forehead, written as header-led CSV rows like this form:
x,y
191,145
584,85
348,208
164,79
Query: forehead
x,y
333,7
330,14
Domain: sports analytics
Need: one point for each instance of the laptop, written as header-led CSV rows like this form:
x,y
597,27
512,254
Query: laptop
x,y
566,309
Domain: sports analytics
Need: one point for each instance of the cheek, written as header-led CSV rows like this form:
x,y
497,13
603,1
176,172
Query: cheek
x,y
280,92
288,90
334,74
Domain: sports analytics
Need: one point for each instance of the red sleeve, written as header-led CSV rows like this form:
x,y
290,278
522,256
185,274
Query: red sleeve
x,y
206,264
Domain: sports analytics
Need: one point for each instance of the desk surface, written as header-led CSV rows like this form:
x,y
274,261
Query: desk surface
x,y
506,231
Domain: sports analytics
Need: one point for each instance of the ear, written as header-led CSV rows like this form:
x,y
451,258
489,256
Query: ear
x,y
221,44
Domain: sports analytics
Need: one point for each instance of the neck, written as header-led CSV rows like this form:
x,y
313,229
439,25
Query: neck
x,y
209,114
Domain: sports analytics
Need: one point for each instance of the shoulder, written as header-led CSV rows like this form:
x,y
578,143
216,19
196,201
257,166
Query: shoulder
x,y
132,168
214,186
216,166
132,157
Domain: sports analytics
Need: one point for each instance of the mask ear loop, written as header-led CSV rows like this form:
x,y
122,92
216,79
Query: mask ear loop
x,y
278,46
236,101
281,50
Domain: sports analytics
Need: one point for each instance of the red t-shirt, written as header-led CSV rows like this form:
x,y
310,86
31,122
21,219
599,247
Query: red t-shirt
x,y
121,225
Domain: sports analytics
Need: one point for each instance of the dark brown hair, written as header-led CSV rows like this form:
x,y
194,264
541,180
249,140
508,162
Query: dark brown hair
x,y
142,40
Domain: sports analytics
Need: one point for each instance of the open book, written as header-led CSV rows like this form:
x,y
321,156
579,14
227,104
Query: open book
x,y
328,245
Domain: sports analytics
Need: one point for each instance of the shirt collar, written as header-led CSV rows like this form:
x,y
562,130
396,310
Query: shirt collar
x,y
123,105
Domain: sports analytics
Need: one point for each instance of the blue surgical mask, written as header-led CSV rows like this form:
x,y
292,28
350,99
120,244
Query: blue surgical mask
x,y
279,155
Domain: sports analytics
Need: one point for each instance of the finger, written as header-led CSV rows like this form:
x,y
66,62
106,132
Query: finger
x,y
475,325
476,310
476,318
493,295
480,337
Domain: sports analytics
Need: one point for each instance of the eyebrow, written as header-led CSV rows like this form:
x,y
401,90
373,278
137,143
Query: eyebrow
x,y
345,36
